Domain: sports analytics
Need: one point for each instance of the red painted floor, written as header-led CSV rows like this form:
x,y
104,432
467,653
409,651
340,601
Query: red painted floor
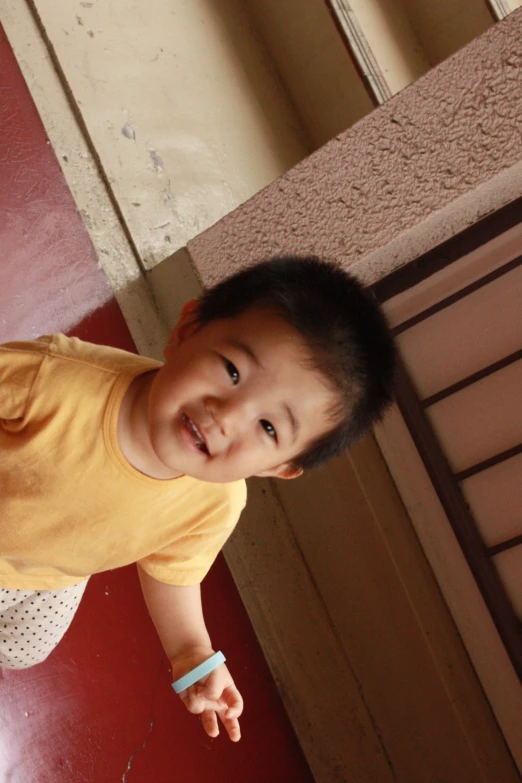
x,y
101,709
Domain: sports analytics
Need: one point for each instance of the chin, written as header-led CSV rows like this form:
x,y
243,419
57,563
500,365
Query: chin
x,y
209,478
213,479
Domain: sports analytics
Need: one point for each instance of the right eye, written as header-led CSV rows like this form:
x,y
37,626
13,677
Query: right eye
x,y
232,371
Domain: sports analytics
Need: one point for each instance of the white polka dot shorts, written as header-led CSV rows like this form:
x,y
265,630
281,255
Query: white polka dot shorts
x,y
32,623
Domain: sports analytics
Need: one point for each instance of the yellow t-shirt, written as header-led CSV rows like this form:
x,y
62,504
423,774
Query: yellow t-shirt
x,y
70,503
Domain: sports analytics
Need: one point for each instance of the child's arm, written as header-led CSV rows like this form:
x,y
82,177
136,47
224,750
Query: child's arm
x,y
178,616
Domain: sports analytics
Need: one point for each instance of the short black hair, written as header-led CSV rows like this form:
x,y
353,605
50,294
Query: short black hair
x,y
341,324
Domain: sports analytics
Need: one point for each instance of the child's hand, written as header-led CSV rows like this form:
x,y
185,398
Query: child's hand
x,y
212,697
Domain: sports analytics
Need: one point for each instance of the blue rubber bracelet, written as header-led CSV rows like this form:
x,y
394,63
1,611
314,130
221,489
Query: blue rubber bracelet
x,y
199,672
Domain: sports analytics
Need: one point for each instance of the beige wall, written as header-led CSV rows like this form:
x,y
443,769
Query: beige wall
x,y
313,63
181,105
447,25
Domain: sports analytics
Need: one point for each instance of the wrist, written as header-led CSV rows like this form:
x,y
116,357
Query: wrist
x,y
187,658
199,672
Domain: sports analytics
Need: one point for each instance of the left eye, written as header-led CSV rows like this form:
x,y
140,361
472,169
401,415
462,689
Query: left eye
x,y
268,428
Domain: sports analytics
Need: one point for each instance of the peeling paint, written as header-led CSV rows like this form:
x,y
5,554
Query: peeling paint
x,y
128,131
156,159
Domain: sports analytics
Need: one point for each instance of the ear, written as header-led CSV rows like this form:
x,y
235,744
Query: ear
x,y
285,471
186,325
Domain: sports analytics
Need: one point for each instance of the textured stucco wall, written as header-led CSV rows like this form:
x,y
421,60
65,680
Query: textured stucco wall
x,y
428,150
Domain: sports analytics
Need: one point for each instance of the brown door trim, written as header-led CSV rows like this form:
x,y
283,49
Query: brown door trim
x,y
446,253
461,520
446,484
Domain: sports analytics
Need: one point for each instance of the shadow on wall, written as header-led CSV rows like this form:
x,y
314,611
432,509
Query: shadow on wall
x,y
251,64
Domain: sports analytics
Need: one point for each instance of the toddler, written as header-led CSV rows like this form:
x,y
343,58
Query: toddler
x,y
107,458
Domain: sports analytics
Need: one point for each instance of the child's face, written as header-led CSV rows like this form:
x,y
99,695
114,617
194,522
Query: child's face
x,y
235,399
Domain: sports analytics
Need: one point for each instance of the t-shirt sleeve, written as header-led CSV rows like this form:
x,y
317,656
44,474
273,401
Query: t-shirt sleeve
x,y
20,364
188,559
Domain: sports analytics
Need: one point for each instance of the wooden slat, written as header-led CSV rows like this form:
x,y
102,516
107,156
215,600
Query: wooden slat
x,y
496,459
448,301
471,379
482,420
510,544
495,498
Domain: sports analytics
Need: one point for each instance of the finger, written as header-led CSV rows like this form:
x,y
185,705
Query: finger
x,y
234,702
210,723
197,703
232,727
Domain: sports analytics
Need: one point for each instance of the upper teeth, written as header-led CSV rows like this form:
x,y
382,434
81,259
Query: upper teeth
x,y
197,435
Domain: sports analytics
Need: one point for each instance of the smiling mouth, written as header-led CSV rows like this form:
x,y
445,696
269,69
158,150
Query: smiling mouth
x,y
197,437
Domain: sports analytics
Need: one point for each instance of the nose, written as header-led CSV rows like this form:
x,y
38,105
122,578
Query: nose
x,y
232,415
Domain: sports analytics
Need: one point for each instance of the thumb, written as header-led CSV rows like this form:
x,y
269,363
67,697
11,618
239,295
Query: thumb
x,y
212,688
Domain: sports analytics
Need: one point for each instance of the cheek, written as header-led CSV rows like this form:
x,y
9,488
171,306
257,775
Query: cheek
x,y
183,383
164,392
